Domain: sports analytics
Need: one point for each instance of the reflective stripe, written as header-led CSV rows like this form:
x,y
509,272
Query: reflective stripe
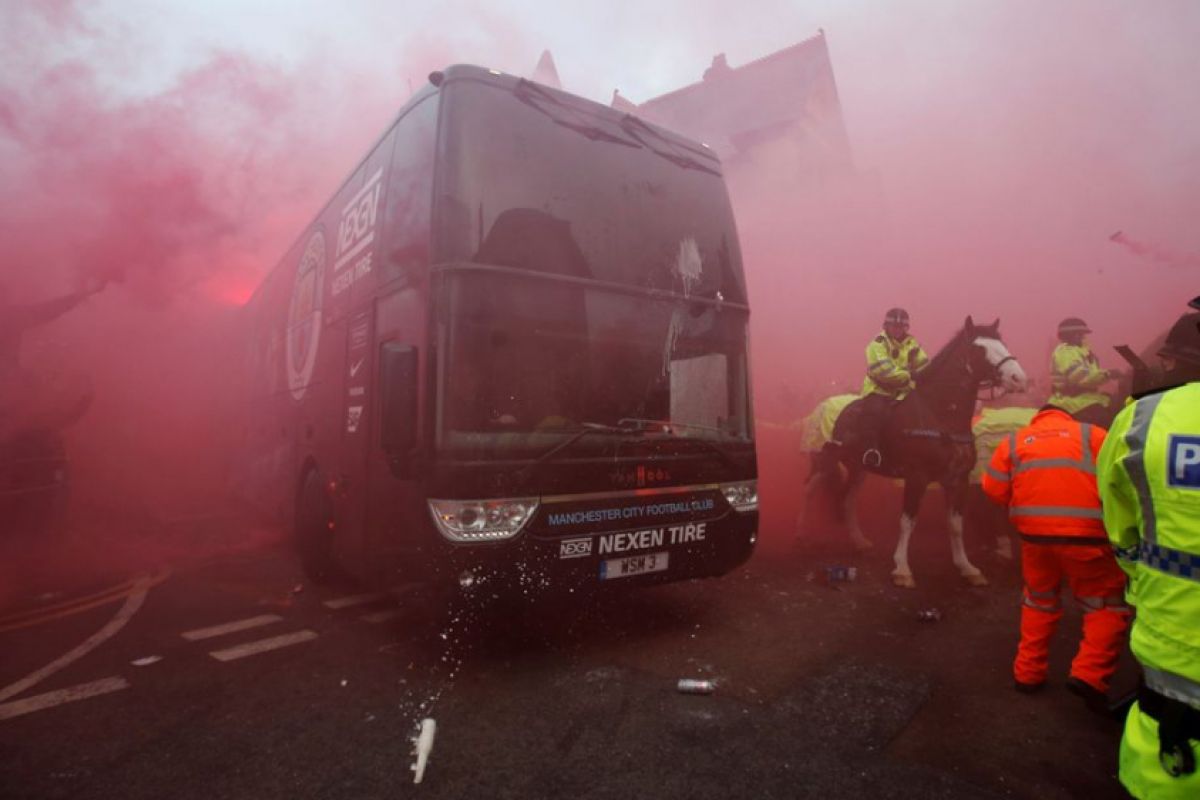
x,y
1056,511
996,474
1179,563
879,363
1055,463
1078,365
1173,686
1085,432
1012,451
1051,608
1050,601
1135,462
1115,603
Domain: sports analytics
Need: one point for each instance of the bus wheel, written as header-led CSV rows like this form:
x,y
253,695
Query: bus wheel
x,y
314,537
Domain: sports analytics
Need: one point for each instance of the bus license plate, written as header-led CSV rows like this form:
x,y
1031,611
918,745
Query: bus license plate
x,y
633,565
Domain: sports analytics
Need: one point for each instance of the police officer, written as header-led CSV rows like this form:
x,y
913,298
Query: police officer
x,y
1149,482
893,358
1076,376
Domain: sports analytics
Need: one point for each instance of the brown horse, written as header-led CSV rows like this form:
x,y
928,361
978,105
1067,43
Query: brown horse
x,y
926,439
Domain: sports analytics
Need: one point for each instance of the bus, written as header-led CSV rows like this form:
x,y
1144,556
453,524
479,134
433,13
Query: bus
x,y
514,343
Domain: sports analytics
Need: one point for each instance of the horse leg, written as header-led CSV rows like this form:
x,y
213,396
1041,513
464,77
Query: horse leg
x,y
955,500
850,510
822,484
914,490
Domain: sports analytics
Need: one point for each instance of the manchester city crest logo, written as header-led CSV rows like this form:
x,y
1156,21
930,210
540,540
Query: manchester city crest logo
x,y
304,315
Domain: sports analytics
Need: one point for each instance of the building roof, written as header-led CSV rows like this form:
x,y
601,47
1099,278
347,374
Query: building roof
x,y
789,93
545,72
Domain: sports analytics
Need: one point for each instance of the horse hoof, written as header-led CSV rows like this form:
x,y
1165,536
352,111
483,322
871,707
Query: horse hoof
x,y
976,580
904,581
863,545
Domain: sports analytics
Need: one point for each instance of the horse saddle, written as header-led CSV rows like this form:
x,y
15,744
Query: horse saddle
x,y
859,428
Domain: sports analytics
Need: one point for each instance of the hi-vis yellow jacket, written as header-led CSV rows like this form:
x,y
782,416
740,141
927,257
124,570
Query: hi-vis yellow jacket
x,y
1149,482
1075,378
891,365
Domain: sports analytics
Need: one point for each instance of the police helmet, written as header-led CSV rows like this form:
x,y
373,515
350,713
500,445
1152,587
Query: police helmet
x,y
896,316
1071,326
1183,342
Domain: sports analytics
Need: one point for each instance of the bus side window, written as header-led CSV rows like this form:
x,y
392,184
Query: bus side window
x,y
398,398
410,194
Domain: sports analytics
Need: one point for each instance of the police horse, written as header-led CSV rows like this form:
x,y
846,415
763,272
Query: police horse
x,y
926,438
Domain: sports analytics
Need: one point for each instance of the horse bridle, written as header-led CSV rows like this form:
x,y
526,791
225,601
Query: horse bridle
x,y
993,381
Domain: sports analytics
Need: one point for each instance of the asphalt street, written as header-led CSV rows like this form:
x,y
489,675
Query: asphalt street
x,y
233,677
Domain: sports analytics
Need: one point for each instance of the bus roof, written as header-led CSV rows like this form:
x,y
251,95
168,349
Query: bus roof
x,y
462,72
514,82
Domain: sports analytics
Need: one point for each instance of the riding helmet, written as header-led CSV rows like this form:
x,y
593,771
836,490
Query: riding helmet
x,y
1072,325
1183,342
896,316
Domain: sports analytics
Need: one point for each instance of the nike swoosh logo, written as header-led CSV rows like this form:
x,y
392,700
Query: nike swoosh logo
x,y
355,367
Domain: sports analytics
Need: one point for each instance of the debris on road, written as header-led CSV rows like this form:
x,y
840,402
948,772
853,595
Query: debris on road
x,y
147,661
840,574
422,745
694,686
929,615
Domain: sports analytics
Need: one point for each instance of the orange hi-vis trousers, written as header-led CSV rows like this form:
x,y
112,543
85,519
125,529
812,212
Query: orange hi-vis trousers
x,y
1098,585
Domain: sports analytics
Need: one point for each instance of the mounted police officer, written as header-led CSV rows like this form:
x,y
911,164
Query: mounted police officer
x,y
893,358
1149,482
1076,375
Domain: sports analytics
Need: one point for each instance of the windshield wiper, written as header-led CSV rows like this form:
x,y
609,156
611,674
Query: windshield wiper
x,y
527,90
631,125
585,429
666,427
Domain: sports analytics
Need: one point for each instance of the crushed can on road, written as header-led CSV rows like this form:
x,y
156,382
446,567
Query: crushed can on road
x,y
840,574
695,686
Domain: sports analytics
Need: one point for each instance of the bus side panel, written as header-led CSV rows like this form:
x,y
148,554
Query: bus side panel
x,y
295,414
263,473
396,518
399,523
360,231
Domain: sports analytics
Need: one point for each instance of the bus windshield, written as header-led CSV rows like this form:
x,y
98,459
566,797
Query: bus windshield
x,y
546,182
532,360
591,276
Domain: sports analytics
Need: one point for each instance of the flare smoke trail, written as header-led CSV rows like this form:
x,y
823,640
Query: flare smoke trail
x,y
1155,253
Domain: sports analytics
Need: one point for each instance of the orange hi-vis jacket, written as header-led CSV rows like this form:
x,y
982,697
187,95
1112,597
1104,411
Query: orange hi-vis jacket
x,y
1046,474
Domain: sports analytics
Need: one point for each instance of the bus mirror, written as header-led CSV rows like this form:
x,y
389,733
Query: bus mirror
x,y
398,397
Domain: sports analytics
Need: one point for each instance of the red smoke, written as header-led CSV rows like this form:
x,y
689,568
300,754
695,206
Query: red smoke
x,y
997,146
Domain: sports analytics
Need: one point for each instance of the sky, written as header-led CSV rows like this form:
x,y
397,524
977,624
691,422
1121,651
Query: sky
x,y
177,148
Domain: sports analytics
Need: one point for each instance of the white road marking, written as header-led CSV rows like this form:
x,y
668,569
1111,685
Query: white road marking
x,y
231,627
40,702
381,616
263,646
354,600
132,603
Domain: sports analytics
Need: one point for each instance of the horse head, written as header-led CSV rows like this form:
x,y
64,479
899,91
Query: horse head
x,y
992,359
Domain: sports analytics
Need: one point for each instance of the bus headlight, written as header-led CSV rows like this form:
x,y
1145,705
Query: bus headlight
x,y
743,495
481,520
